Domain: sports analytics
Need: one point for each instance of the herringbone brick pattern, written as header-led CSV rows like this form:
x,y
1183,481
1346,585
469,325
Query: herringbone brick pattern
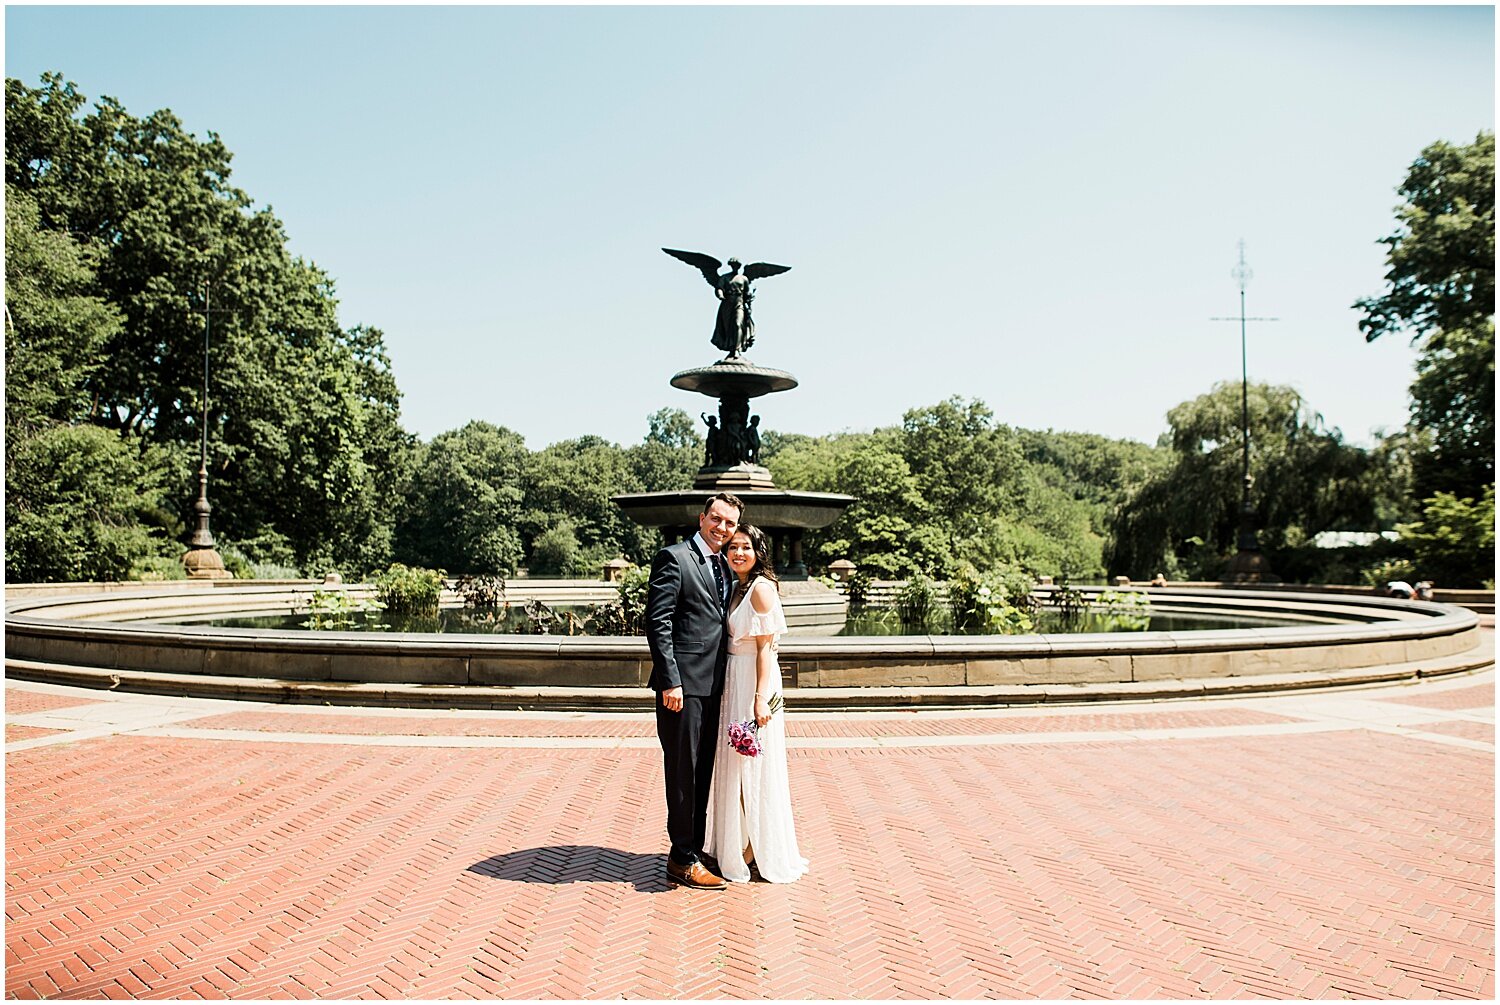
x,y
1482,731
1310,865
14,732
1479,696
909,724
19,702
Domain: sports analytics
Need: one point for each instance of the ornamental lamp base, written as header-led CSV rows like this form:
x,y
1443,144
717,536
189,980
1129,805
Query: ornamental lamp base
x,y
205,563
1249,566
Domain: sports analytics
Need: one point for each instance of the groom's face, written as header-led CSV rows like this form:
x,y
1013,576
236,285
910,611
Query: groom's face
x,y
717,523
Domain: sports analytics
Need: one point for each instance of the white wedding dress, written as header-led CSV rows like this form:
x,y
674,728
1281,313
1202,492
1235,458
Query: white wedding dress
x,y
751,798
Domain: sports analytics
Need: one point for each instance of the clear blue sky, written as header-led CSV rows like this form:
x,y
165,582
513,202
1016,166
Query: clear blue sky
x,y
1038,207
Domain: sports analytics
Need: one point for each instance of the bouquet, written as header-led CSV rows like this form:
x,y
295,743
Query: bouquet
x,y
742,735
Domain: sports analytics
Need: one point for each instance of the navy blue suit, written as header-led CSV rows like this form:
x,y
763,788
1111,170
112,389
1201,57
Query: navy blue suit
x,y
685,630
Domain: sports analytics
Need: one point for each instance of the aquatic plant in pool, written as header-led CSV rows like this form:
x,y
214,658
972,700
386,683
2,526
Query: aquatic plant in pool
x,y
337,610
535,618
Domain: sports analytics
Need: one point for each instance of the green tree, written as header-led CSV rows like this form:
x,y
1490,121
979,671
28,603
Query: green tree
x,y
568,490
554,552
1091,468
1441,291
54,325
879,531
1454,542
966,469
465,502
1184,520
305,440
81,502
946,490
85,503
668,457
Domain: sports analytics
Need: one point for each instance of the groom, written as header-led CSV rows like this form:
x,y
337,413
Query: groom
x,y
690,585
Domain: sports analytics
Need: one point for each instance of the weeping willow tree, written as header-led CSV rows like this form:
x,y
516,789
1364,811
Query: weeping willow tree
x,y
1183,520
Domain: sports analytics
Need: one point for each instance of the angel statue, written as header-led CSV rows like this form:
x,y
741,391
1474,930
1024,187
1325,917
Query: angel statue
x,y
734,331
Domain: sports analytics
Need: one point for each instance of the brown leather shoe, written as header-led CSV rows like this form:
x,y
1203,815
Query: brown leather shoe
x,y
696,876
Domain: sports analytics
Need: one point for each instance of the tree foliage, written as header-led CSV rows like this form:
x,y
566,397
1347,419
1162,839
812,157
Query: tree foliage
x,y
463,509
84,503
1441,274
55,326
949,489
1441,291
1183,520
1454,542
131,230
81,502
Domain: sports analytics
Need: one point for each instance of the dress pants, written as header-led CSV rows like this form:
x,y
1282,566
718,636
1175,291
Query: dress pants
x,y
688,740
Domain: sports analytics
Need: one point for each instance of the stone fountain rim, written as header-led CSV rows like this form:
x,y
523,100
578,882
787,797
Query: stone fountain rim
x,y
1425,620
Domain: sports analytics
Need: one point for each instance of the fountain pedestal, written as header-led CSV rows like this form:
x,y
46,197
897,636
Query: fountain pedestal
x,y
732,465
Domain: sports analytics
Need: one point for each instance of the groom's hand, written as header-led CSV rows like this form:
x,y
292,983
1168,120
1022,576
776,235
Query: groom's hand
x,y
672,699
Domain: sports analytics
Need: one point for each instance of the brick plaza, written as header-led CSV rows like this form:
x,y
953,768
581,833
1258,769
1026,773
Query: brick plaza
x,y
1302,845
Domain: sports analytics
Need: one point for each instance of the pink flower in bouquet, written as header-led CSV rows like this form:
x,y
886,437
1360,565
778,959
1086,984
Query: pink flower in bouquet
x,y
743,739
742,735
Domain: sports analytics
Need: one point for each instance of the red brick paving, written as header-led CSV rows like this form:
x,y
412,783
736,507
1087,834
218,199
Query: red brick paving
x,y
1457,699
1482,731
1297,865
14,733
18,702
915,724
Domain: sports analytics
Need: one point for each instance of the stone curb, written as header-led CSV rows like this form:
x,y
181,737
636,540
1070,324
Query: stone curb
x,y
635,699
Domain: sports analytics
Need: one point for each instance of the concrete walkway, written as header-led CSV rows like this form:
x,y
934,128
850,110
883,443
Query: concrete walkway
x,y
1332,843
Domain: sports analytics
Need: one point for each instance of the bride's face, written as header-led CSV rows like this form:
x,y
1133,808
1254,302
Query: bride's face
x,y
740,554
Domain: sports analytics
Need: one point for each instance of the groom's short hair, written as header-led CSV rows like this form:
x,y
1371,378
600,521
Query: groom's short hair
x,y
726,497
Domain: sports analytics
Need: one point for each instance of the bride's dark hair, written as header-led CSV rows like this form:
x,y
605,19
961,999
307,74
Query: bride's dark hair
x,y
762,545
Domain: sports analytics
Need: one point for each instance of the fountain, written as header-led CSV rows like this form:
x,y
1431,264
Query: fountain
x,y
731,461
114,635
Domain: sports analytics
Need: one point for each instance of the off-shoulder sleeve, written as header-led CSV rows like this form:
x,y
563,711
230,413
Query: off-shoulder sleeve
x,y
770,622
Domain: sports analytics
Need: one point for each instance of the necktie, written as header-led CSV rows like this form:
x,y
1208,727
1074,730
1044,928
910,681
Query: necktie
x,y
717,561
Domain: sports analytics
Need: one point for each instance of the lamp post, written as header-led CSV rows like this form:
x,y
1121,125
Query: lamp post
x,y
1249,563
201,560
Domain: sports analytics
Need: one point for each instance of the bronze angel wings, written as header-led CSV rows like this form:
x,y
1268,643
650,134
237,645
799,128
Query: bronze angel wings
x,y
710,266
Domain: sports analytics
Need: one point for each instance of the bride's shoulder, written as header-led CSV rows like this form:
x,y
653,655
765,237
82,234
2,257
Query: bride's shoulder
x,y
763,596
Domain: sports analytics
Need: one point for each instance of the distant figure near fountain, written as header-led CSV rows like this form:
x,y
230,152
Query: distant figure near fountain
x,y
734,329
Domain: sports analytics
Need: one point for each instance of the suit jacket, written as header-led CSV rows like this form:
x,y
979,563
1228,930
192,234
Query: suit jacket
x,y
685,623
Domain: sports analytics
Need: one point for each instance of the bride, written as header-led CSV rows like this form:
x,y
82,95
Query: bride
x,y
750,806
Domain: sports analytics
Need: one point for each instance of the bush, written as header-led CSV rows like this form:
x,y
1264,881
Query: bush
x,y
406,590
1389,571
542,620
554,552
268,548
1454,542
859,590
1123,610
235,562
1070,604
157,568
634,584
80,503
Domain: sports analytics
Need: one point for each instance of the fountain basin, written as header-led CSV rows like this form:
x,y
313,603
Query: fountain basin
x,y
764,508
90,637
